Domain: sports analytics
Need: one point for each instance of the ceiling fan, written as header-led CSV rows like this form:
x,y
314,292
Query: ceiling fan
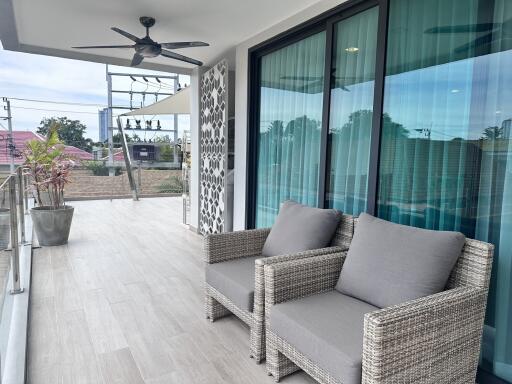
x,y
146,47
493,32
311,82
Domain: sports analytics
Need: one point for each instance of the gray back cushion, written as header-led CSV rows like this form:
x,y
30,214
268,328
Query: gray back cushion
x,y
390,263
300,228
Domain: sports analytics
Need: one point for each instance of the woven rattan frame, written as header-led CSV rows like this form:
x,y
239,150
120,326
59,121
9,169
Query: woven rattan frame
x,y
432,340
233,245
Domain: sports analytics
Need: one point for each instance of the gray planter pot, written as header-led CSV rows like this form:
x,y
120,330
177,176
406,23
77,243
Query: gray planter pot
x,y
52,225
5,228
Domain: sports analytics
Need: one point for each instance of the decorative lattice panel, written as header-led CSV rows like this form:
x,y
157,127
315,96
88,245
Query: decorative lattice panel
x,y
213,166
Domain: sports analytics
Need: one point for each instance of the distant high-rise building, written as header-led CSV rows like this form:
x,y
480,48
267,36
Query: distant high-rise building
x,y
507,129
103,124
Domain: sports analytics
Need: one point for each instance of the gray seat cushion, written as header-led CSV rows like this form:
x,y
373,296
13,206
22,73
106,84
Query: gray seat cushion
x,y
328,329
389,263
235,280
300,228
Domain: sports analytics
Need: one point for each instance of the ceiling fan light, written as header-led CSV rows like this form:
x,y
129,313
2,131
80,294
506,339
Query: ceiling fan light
x,y
352,49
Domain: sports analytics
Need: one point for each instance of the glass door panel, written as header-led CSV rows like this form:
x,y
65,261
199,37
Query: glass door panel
x,y
351,111
291,100
446,144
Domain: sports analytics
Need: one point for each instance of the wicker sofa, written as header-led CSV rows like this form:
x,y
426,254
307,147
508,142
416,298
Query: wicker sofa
x,y
434,339
234,263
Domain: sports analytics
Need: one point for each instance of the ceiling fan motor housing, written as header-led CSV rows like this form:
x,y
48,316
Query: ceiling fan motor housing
x,y
147,21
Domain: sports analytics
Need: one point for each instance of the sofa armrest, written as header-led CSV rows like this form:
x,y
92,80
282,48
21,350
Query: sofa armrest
x,y
225,246
259,278
429,340
291,280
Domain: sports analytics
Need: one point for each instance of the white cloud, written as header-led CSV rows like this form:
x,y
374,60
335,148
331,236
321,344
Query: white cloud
x,y
29,76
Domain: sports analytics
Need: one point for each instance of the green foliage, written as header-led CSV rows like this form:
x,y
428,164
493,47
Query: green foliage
x,y
162,139
43,152
173,184
166,153
116,139
493,133
48,166
71,132
98,168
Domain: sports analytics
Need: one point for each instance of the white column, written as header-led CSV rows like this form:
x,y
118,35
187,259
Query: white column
x,y
195,130
240,186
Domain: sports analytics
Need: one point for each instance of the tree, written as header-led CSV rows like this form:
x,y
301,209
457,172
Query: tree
x,y
71,132
116,139
492,133
163,139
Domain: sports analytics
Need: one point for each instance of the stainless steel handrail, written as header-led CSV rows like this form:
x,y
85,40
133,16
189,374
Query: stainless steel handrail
x,y
15,254
18,200
21,202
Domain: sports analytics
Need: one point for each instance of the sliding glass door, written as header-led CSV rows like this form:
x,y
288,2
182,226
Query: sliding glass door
x,y
351,111
444,138
291,100
446,147
291,111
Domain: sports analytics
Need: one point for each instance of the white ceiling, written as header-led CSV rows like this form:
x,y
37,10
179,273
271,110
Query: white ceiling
x,y
53,26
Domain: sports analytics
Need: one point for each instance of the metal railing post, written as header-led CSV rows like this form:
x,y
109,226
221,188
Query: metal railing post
x,y
15,250
25,193
139,177
21,202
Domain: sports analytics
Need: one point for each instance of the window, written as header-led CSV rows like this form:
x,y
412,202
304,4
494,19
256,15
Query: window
x,y
446,148
439,85
291,99
351,111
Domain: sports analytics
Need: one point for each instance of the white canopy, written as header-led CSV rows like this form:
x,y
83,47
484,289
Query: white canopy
x,y
178,103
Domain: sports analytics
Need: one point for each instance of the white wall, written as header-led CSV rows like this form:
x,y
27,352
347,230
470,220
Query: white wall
x,y
241,99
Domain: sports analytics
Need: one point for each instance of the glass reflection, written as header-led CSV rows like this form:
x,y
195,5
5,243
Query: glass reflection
x,y
292,84
446,148
350,122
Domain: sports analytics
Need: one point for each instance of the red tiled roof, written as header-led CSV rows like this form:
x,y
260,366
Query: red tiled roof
x,y
118,156
77,153
19,139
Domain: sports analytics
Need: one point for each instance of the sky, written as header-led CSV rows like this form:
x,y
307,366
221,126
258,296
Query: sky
x,y
37,77
459,99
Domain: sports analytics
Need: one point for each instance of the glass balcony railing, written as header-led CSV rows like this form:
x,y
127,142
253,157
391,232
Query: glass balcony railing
x,y
15,264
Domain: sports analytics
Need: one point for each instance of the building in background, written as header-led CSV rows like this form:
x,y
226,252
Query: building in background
x,y
103,124
507,128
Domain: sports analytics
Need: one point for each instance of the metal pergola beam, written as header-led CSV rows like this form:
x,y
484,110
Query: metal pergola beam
x,y
142,76
143,92
127,161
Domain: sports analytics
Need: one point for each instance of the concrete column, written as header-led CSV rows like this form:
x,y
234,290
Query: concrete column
x,y
195,130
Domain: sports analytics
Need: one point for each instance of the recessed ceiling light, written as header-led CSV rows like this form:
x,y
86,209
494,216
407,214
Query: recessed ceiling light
x,y
352,49
455,91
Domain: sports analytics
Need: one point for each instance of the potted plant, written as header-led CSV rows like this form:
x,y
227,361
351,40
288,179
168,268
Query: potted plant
x,y
49,170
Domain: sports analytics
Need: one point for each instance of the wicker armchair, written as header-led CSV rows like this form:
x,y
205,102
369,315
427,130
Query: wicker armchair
x,y
434,339
248,244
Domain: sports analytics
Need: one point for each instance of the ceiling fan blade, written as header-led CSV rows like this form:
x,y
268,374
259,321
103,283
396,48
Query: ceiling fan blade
x,y
137,59
481,41
177,56
481,27
302,78
311,87
104,46
126,34
184,44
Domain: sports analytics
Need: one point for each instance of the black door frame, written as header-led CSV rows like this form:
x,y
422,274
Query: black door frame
x,y
323,22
